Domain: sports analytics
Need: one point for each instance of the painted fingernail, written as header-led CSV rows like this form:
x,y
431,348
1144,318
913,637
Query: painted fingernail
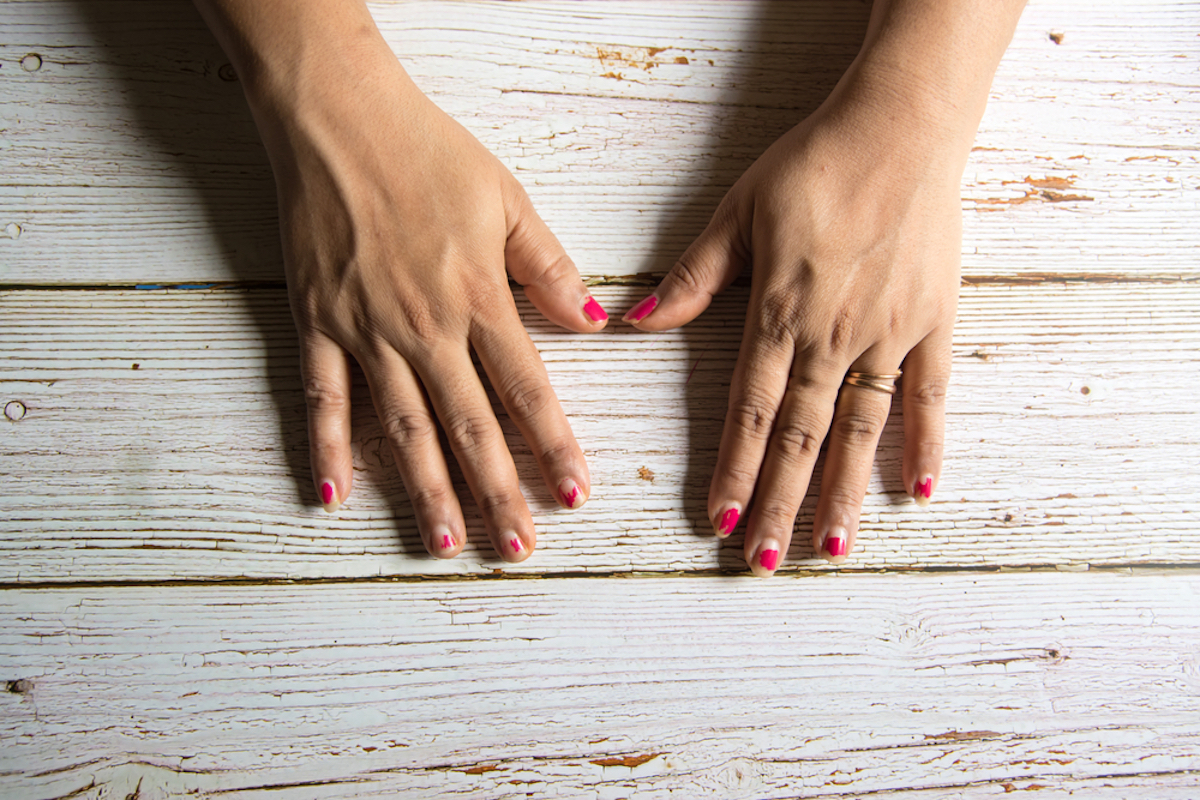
x,y
836,543
767,559
329,497
923,491
569,494
641,310
511,546
728,521
444,541
594,311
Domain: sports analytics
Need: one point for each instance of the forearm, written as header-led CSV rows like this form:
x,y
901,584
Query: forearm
x,y
285,51
934,60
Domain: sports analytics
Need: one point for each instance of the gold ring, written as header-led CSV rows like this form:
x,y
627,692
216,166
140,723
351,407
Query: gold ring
x,y
885,383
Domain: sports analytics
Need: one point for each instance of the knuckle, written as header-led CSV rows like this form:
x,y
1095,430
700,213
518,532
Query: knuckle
x,y
405,428
842,331
778,514
430,498
795,442
559,451
857,427
687,276
928,393
527,397
752,415
776,318
323,397
496,502
468,433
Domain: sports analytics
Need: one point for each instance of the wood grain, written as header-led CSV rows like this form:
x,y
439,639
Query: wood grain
x,y
131,133
164,422
971,686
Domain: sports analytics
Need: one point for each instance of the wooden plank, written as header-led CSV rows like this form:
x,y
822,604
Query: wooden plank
x,y
129,158
154,423
969,686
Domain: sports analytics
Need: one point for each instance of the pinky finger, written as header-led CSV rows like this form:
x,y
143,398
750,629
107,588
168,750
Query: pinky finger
x,y
326,375
926,377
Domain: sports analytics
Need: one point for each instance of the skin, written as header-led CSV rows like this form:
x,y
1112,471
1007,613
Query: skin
x,y
400,231
851,224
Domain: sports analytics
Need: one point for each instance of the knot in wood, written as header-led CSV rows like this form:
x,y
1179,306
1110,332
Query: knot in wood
x,y
227,73
14,410
31,62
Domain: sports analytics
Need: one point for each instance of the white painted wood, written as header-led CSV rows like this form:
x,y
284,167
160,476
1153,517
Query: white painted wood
x,y
158,423
942,685
127,158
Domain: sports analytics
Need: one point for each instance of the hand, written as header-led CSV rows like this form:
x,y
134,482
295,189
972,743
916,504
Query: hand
x,y
397,228
852,225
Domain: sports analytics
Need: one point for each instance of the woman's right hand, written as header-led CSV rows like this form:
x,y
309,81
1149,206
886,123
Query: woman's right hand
x,y
399,233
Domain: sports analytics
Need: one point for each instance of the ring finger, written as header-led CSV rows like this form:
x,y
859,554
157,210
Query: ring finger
x,y
858,421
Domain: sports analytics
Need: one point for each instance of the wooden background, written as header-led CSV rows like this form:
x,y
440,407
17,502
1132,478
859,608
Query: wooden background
x,y
179,618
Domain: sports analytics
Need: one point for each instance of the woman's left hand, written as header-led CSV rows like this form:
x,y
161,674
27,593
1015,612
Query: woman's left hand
x,y
852,225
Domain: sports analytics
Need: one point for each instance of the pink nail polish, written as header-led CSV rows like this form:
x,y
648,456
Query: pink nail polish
x,y
327,492
594,311
729,521
835,546
768,559
447,542
925,489
569,493
516,545
642,309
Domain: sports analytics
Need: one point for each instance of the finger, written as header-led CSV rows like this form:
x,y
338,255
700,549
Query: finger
x,y
412,433
326,376
538,262
926,378
462,406
759,382
787,467
853,437
705,269
516,371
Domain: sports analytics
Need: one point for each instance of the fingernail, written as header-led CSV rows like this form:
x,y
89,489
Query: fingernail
x,y
569,494
329,496
594,311
728,521
767,560
923,491
836,543
511,546
641,310
444,541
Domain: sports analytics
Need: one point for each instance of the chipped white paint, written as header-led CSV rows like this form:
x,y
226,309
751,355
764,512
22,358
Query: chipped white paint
x,y
1088,160
154,436
595,687
187,430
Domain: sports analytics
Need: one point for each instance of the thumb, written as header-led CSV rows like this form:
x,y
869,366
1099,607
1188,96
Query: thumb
x,y
704,270
538,262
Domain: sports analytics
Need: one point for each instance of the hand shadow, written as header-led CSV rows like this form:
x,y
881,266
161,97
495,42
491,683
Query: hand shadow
x,y
190,113
787,69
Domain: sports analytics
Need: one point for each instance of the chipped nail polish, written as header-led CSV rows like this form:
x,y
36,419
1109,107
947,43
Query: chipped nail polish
x,y
569,494
510,544
768,559
594,311
728,521
837,543
642,309
329,496
923,491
